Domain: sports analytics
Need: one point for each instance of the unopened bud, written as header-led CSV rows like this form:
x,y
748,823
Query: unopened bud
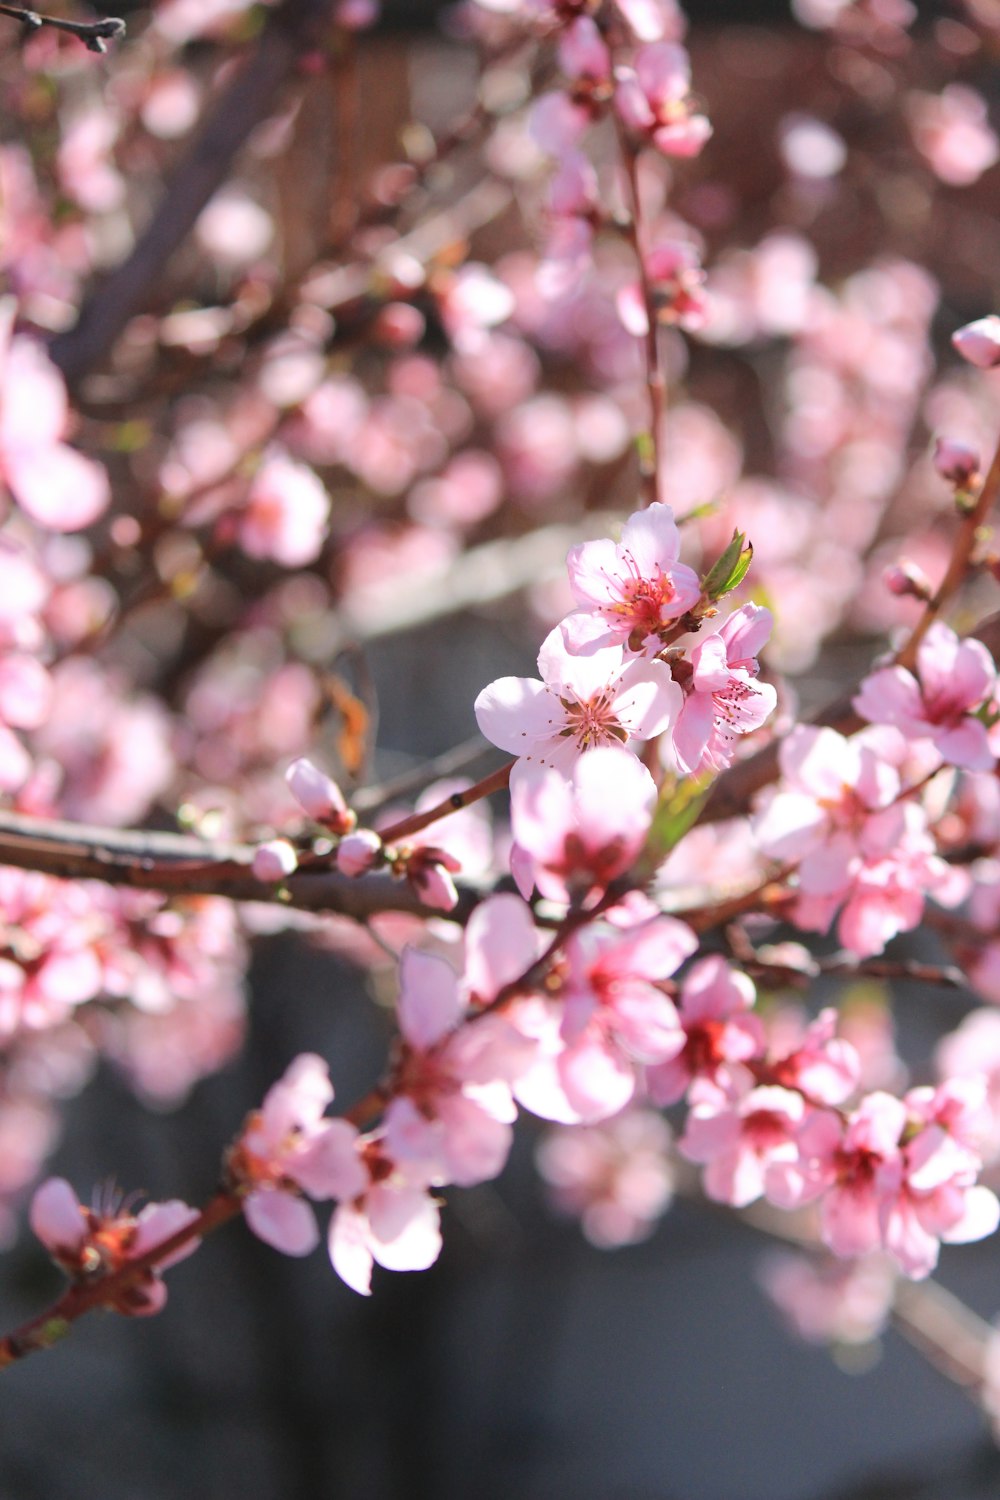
x,y
906,580
957,462
357,853
274,861
979,342
429,871
319,796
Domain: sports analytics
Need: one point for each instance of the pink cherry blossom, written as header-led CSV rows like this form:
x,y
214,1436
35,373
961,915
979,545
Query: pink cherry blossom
x,y
723,698
939,1198
714,1009
393,1223
837,813
654,100
829,1301
629,591
973,1051
741,1138
674,274
88,1243
581,833
557,122
582,702
954,677
274,860
286,513
429,871
617,1176
822,1066
855,1167
614,1017
952,131
450,1116
582,52
289,1147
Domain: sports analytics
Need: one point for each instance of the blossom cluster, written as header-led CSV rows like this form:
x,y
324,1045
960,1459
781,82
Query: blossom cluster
x,y
183,621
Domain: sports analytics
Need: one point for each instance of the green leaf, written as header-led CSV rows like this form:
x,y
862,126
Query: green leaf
x,y
646,449
730,570
698,512
680,802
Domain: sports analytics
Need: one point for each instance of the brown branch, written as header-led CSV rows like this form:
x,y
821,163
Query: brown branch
x,y
184,865
93,34
656,382
292,29
406,827
958,567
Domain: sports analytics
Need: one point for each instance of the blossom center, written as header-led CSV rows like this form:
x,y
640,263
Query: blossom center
x,y
592,722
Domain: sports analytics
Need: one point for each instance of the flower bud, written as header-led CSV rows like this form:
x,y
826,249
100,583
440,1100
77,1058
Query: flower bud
x,y
979,342
319,796
357,853
275,860
957,462
907,580
435,887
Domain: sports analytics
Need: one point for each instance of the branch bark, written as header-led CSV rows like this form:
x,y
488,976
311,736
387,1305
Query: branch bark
x,y
184,865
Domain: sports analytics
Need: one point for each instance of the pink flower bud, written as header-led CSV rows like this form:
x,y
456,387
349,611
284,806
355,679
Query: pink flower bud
x,y
357,853
319,796
434,885
274,861
906,579
979,342
957,462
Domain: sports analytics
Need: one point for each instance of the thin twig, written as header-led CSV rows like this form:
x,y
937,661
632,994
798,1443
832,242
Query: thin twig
x,y
656,383
958,567
93,34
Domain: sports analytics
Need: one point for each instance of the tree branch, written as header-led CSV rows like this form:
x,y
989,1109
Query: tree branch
x,y
181,864
93,34
292,29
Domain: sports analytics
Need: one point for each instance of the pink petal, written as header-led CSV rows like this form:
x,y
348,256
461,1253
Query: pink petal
x,y
159,1222
406,1228
515,712
56,1216
350,1255
501,942
429,1001
58,487
282,1220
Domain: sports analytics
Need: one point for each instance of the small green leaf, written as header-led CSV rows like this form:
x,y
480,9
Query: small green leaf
x,y
52,1331
731,568
698,512
646,449
681,800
